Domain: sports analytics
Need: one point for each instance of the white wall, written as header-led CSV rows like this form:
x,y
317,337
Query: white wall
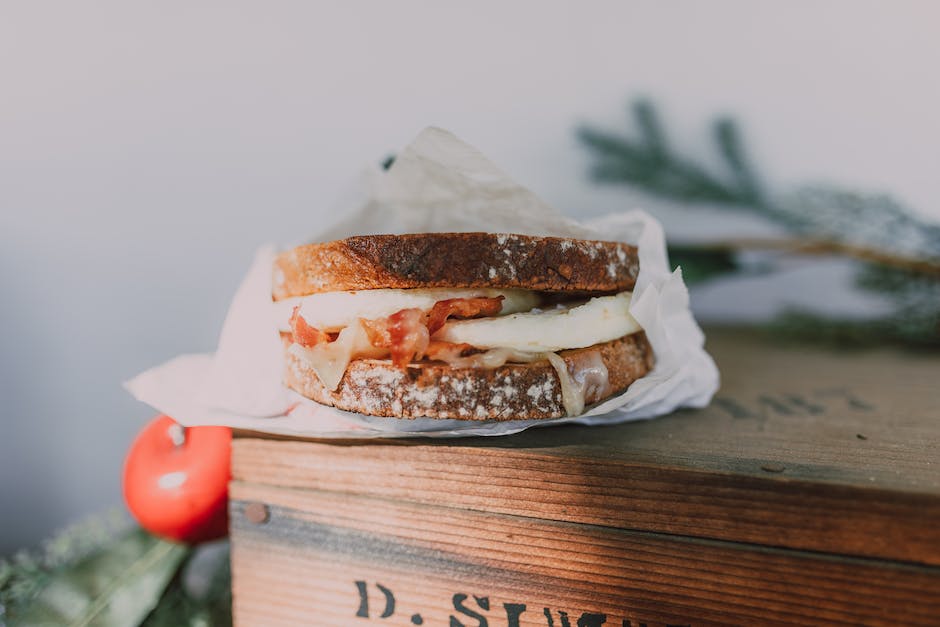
x,y
147,148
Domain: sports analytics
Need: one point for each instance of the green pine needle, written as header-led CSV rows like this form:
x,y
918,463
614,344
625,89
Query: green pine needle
x,y
857,222
24,574
649,163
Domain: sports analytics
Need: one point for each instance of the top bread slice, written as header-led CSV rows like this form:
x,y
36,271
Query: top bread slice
x,y
456,260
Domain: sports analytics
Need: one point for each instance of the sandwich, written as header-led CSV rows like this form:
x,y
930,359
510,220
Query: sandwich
x,y
469,326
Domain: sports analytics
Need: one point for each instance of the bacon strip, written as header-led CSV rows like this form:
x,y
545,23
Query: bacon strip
x,y
404,333
462,308
407,333
303,333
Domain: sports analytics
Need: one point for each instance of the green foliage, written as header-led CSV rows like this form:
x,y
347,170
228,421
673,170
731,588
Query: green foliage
x,y
918,331
871,221
105,571
916,298
900,253
183,607
116,586
24,574
648,162
700,265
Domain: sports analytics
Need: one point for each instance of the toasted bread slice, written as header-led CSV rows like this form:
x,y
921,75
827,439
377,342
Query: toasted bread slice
x,y
427,260
436,390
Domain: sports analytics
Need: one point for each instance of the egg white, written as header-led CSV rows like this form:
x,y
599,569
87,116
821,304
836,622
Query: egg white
x,y
599,320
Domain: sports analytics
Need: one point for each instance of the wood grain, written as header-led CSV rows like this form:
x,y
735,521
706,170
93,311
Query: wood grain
x,y
301,564
802,448
773,511
807,493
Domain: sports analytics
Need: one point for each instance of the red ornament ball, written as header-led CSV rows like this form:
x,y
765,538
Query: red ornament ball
x,y
176,480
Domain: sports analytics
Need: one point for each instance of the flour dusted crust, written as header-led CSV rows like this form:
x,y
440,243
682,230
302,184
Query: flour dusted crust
x,y
427,260
435,390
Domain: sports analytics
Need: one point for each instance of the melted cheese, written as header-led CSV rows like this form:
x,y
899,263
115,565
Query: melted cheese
x,y
589,378
329,361
493,358
599,320
332,311
518,337
592,377
572,397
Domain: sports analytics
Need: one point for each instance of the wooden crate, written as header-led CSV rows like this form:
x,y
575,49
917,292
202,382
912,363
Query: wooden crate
x,y
808,493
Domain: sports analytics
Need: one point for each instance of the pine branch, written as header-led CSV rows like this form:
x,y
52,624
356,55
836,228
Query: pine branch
x,y
913,266
649,163
700,264
651,131
899,254
867,221
180,607
24,574
729,144
919,332
873,221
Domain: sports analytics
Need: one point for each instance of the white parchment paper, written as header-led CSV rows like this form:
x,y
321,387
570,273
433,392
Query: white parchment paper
x,y
437,184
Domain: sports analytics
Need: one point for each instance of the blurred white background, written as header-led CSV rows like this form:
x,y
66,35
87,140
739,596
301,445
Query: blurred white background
x,y
146,150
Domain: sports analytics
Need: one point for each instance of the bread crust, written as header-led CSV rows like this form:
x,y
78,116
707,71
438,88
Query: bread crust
x,y
436,390
427,260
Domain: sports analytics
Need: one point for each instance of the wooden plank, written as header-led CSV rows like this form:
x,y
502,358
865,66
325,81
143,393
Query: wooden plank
x,y
314,556
805,449
855,417
773,511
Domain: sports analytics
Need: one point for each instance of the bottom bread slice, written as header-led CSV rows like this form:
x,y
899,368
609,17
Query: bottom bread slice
x,y
436,390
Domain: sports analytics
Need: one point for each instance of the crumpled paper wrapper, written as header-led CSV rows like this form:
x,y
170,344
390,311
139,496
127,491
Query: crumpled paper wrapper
x,y
437,184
